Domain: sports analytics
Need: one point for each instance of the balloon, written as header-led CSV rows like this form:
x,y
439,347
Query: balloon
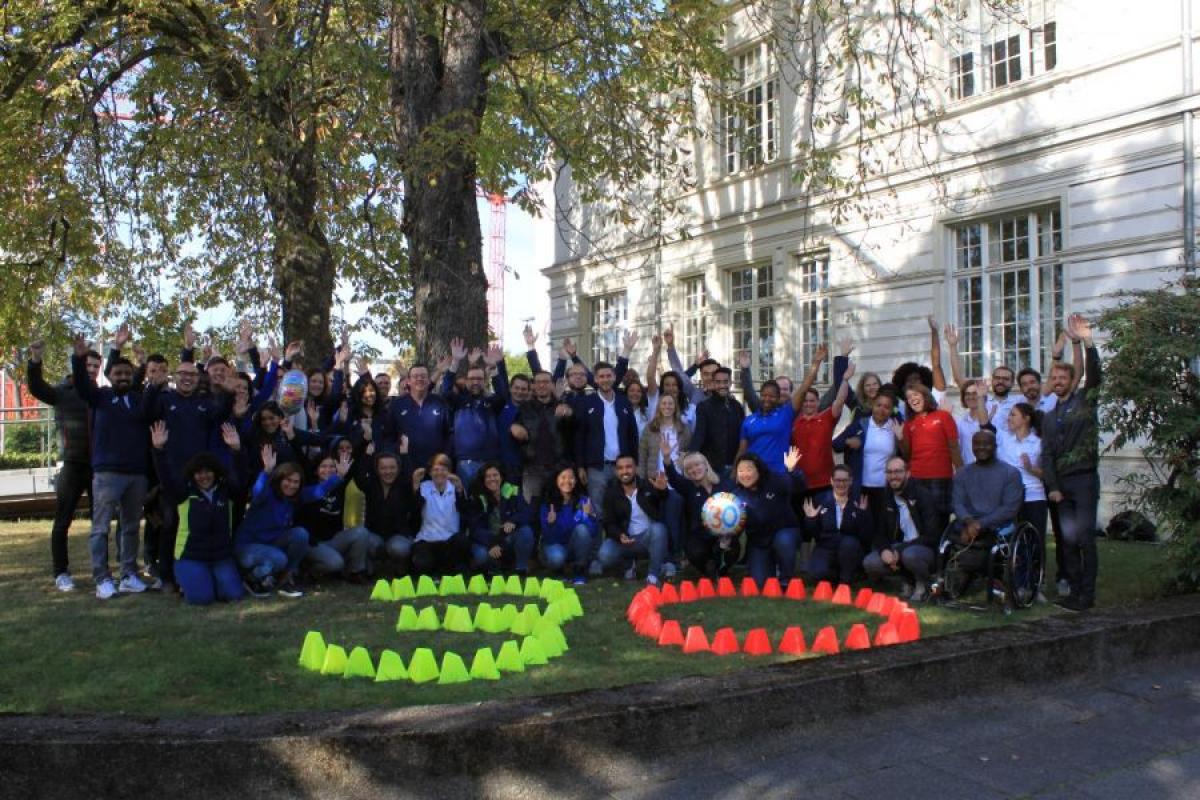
x,y
293,391
724,514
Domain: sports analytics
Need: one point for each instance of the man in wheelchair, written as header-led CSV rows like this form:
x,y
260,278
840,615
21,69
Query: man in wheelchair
x,y
987,496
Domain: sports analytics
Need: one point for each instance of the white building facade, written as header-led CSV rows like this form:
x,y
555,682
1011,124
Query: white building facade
x,y
1056,178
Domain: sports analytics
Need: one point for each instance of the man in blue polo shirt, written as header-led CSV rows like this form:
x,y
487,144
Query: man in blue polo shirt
x,y
476,432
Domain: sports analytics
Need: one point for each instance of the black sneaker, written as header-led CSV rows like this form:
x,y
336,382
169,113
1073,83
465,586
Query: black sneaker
x,y
289,588
1071,603
255,588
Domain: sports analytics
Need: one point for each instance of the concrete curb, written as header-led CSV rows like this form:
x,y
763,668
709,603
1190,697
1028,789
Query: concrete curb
x,y
362,753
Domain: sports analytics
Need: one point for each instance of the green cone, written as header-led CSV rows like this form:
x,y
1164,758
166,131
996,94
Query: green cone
x,y
556,612
312,654
483,667
552,638
427,620
552,589
458,621
532,652
391,668
508,613
570,600
532,588
423,667
453,669
426,587
359,664
335,660
408,619
497,586
486,619
452,585
510,659
513,585
382,591
478,585
522,624
403,589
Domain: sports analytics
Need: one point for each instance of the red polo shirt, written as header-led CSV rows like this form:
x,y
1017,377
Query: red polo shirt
x,y
930,437
813,436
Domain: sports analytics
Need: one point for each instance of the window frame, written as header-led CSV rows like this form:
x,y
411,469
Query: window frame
x,y
695,321
604,328
756,306
814,303
749,145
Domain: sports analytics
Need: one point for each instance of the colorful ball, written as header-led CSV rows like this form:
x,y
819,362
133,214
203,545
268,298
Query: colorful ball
x,y
724,514
293,391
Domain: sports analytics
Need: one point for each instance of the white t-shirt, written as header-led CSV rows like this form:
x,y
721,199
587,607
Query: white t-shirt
x,y
968,426
1047,403
612,436
907,526
998,409
639,522
1009,450
672,437
879,444
439,517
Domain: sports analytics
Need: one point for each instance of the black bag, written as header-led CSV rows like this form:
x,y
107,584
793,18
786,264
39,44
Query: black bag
x,y
1132,526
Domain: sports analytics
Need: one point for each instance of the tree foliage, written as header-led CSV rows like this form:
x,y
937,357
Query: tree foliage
x,y
1151,400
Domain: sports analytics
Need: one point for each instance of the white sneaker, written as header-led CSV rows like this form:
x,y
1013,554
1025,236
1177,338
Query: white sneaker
x,y
918,593
652,580
155,584
631,573
64,583
668,570
105,590
1063,587
132,584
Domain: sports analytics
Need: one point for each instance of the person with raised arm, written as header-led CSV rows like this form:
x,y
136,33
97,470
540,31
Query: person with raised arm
x,y
767,432
568,523
475,421
74,477
695,394
1070,464
204,495
772,530
812,432
839,528
441,545
696,481
387,504
867,444
544,431
336,547
421,416
929,442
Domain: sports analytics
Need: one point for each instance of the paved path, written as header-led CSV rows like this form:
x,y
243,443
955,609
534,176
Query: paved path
x,y
1132,735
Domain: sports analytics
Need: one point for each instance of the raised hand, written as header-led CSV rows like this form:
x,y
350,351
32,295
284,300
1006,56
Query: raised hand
x,y
862,502
743,359
551,515
1078,328
896,428
629,341
368,430
312,412
245,336
456,482
791,458
665,446
122,336
820,353
343,465
668,337
474,356
293,349
36,349
268,458
933,326
656,343
189,336
660,481
158,435
570,348
229,436
139,353
402,448
493,356
530,337
445,362
207,352
810,510
81,345
951,335
700,358
289,430
272,349
458,350
846,346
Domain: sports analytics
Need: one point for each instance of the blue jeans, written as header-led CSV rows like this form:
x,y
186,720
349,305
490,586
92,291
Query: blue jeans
x,y
285,553
116,493
345,551
779,556
578,548
202,582
652,544
516,550
466,470
836,561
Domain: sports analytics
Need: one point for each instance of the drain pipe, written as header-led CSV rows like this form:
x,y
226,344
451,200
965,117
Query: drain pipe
x,y
1189,156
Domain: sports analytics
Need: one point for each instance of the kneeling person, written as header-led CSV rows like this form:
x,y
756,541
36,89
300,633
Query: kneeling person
x,y
900,547
501,532
633,521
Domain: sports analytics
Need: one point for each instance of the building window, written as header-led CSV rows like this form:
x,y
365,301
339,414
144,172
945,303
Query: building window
x,y
695,316
609,315
752,317
1014,43
1009,289
751,117
812,298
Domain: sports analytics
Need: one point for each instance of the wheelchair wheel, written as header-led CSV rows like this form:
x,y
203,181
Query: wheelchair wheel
x,y
1024,567
953,581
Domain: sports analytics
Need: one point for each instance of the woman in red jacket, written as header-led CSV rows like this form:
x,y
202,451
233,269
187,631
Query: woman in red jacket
x,y
929,441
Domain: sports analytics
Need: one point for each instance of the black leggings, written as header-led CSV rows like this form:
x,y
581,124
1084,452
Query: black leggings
x,y
441,558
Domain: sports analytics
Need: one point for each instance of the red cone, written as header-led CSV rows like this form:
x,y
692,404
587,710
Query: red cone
x,y
858,638
896,614
749,587
909,629
636,611
725,642
670,634
651,593
705,588
757,643
772,588
841,596
669,593
876,604
725,588
886,635
687,592
863,598
826,641
696,641
889,603
792,643
824,591
796,590
650,625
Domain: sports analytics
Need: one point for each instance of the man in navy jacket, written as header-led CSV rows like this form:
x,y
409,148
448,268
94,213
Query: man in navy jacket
x,y
423,417
605,430
474,422
120,447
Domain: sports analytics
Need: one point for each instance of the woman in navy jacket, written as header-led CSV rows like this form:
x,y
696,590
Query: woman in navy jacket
x,y
204,567
840,528
772,530
712,555
568,522
501,523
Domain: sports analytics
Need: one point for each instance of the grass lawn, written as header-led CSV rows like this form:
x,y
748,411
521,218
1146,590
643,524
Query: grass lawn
x,y
151,655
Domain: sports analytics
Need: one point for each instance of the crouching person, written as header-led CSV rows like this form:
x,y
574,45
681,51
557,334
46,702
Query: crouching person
x,y
900,547
204,566
441,546
633,521
388,506
569,525
336,548
269,545
501,535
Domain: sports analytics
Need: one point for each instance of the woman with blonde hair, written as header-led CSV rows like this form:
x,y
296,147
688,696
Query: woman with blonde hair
x,y
664,442
711,555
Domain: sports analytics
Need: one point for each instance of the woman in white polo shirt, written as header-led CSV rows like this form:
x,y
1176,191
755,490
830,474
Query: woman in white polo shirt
x,y
1022,448
441,546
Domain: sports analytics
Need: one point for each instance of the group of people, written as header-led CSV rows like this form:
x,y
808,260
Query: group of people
x,y
581,469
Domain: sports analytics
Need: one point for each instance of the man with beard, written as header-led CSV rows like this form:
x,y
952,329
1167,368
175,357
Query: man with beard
x,y
543,428
475,413
900,546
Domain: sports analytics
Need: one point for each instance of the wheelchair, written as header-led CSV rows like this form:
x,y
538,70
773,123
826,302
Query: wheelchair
x,y
1013,567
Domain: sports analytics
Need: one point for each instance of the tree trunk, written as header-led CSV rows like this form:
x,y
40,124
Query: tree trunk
x,y
438,96
305,277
